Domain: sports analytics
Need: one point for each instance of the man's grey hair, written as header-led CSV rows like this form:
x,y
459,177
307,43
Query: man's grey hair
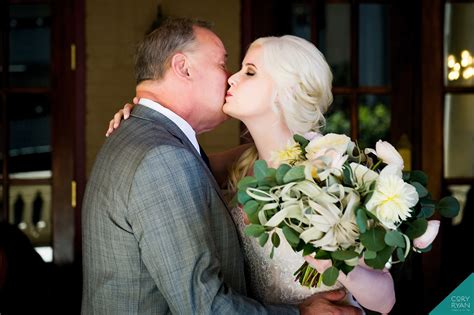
x,y
154,52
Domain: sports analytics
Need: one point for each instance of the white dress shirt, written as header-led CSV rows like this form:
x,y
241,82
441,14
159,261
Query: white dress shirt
x,y
180,122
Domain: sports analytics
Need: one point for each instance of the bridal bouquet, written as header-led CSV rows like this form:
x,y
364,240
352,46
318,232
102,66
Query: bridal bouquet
x,y
335,201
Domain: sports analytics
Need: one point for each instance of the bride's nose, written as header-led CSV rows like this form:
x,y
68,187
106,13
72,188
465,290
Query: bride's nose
x,y
232,80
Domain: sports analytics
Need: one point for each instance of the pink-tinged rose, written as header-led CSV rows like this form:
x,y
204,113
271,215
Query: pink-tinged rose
x,y
312,135
428,237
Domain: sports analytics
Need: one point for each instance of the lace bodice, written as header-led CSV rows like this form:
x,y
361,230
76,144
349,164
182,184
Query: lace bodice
x,y
272,280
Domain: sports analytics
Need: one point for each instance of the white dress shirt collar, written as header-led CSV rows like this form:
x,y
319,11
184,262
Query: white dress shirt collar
x,y
180,122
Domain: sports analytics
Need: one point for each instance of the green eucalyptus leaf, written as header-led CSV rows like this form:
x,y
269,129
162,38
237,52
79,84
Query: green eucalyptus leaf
x,y
275,239
294,174
420,189
303,142
427,208
361,220
345,268
448,207
242,197
251,207
347,175
291,236
394,238
262,240
260,169
416,228
247,181
322,254
308,249
272,253
401,254
381,259
330,276
419,176
344,254
269,179
281,172
368,254
254,230
373,239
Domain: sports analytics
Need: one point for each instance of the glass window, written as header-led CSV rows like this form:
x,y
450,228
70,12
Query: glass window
x,y
459,135
374,40
30,51
459,44
335,43
30,211
338,116
374,119
301,20
30,132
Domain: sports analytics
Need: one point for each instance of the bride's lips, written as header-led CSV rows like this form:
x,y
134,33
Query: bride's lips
x,y
228,94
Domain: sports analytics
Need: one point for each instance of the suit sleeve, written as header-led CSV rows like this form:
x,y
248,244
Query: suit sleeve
x,y
169,214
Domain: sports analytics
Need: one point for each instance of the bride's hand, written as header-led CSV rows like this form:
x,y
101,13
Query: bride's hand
x,y
122,113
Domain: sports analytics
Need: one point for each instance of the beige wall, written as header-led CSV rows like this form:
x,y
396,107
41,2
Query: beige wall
x,y
112,30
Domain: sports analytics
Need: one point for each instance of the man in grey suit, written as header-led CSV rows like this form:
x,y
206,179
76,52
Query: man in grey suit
x,y
157,236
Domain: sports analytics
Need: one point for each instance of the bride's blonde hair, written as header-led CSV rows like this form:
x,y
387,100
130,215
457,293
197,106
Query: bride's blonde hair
x,y
303,83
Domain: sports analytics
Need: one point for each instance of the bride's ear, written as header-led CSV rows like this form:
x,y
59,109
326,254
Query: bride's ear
x,y
180,65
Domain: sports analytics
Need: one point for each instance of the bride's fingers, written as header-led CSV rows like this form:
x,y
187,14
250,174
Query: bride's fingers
x,y
111,128
127,109
135,100
117,118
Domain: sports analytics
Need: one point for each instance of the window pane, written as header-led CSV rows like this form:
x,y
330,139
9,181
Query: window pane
x,y
459,135
338,116
334,42
374,40
374,119
29,118
301,20
459,44
30,51
30,211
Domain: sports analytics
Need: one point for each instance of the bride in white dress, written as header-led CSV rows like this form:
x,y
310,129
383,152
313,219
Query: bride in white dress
x,y
283,88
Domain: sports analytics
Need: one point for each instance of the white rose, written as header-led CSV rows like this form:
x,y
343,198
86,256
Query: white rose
x,y
387,153
318,146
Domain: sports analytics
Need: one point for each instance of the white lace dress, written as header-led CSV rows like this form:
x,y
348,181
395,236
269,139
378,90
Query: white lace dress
x,y
272,280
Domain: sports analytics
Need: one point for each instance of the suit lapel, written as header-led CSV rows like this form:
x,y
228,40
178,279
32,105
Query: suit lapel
x,y
143,112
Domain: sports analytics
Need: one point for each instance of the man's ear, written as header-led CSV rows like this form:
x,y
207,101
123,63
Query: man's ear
x,y
180,65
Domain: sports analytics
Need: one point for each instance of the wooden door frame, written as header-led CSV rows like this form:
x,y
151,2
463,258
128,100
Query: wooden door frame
x,y
68,129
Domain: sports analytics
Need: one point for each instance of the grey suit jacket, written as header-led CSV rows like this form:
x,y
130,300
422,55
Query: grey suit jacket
x,y
157,236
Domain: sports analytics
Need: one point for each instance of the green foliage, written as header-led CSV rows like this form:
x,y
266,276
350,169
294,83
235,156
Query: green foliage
x,y
281,172
295,174
448,207
344,254
254,230
242,197
427,208
291,236
330,276
308,249
275,239
247,181
373,239
420,189
394,238
303,142
419,176
262,240
400,254
381,259
416,228
361,219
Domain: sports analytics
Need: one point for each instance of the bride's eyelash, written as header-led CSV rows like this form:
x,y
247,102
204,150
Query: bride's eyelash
x,y
250,73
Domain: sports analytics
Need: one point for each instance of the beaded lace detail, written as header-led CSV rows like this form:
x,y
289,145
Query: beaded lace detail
x,y
272,280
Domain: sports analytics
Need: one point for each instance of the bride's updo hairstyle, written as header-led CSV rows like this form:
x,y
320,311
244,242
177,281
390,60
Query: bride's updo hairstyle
x,y
303,94
303,80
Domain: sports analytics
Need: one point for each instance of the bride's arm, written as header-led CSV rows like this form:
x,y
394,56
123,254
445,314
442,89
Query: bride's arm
x,y
220,161
372,288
